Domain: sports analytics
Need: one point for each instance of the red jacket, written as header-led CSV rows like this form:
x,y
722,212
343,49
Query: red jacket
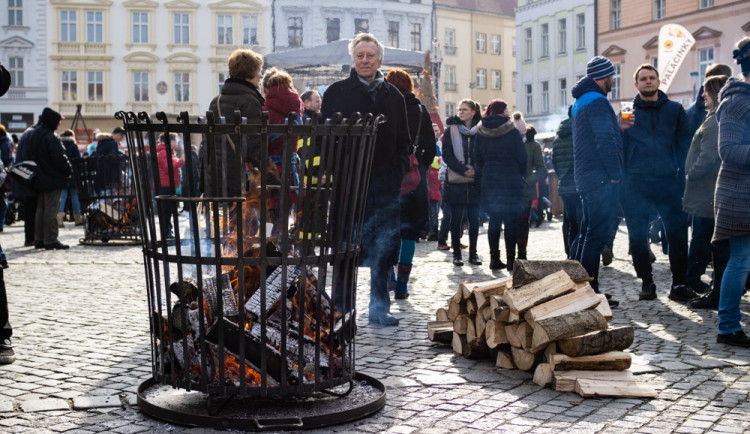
x,y
280,102
433,183
161,158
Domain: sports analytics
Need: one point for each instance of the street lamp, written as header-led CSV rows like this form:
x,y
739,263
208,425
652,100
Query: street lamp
x,y
694,76
436,58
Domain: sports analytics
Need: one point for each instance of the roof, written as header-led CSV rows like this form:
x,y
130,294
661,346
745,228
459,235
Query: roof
x,y
503,7
337,53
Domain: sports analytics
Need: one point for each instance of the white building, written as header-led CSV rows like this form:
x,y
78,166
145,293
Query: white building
x,y
554,41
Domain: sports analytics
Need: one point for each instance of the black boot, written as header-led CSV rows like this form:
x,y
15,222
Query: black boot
x,y
495,262
511,257
708,301
457,259
474,258
521,254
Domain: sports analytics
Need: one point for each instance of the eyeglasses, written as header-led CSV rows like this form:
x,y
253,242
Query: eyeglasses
x,y
464,110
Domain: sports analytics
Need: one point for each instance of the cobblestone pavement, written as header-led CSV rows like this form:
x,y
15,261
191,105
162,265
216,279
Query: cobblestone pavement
x,y
81,338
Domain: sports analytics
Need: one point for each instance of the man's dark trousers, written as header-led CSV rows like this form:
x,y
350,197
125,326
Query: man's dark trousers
x,y
5,329
599,208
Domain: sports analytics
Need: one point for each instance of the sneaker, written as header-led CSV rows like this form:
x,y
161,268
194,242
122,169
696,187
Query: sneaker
x,y
648,291
681,294
607,256
708,301
385,319
613,303
56,246
442,246
458,262
736,339
7,355
699,287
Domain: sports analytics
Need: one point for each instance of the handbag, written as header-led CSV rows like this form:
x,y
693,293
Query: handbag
x,y
412,177
457,178
25,173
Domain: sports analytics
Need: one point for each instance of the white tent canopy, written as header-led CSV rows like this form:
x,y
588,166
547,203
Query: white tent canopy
x,y
337,53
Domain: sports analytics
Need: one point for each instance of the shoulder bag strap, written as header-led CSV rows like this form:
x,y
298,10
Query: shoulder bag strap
x,y
415,145
218,109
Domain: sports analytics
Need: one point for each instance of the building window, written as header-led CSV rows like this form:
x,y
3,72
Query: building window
x,y
580,32
294,34
529,100
224,30
69,85
562,36
527,44
481,43
705,59
655,62
562,84
15,12
545,97
361,25
615,14
705,4
450,77
545,40
68,26
95,82
181,87
250,30
416,37
393,34
481,78
450,41
333,29
616,86
513,47
140,28
94,26
181,29
221,79
514,76
140,86
450,109
15,67
495,47
660,9
497,80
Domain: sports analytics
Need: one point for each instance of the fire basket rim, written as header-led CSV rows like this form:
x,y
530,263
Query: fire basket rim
x,y
251,424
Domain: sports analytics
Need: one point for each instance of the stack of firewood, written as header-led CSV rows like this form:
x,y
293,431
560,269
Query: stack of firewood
x,y
548,320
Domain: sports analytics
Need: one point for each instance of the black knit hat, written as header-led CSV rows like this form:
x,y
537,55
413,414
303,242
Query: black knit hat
x,y
4,80
599,67
50,118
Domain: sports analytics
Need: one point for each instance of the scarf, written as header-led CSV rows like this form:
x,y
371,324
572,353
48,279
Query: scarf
x,y
457,131
373,87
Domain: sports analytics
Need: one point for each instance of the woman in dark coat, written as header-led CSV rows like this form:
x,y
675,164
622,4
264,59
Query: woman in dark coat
x,y
501,167
414,205
458,148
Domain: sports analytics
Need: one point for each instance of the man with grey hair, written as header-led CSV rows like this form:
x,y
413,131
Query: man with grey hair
x,y
366,91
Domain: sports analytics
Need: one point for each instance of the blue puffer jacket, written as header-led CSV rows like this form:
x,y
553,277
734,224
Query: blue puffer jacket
x,y
657,144
597,141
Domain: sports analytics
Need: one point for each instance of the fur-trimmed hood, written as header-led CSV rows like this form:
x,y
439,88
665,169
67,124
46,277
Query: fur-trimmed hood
x,y
495,126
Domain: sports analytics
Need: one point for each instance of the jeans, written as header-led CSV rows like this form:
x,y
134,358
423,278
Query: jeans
x,y
699,252
572,213
599,207
73,193
638,198
434,209
472,211
733,283
497,220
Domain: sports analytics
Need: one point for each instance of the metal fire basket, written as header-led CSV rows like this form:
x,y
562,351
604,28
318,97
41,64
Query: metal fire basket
x,y
108,202
251,292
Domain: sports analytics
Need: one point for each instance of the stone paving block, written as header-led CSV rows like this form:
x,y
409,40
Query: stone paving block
x,y
87,402
50,404
6,406
431,380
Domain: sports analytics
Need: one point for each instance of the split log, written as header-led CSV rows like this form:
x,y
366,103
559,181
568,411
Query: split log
x,y
543,374
220,290
276,288
441,315
461,323
525,360
274,336
510,333
565,326
504,360
603,307
471,306
608,388
459,295
479,325
615,339
513,317
486,313
525,334
440,331
481,291
609,361
494,334
578,300
456,308
500,310
458,343
565,381
471,333
537,292
528,271
550,351
475,350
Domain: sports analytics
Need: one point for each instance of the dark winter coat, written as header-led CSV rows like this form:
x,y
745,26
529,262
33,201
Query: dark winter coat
x,y
657,143
414,205
536,170
236,94
6,150
696,113
562,158
702,169
109,162
468,193
733,184
597,141
501,165
74,156
44,147
380,233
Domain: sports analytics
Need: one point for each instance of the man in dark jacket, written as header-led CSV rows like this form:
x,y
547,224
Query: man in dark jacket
x,y
655,150
562,160
597,158
48,152
366,91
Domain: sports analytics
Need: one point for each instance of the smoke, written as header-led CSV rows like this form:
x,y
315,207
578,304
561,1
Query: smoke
x,y
551,122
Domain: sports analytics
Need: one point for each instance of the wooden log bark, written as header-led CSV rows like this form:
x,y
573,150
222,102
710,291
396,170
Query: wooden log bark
x,y
565,326
596,388
609,361
543,374
494,334
525,360
615,339
440,331
504,360
578,300
441,315
524,297
565,381
525,271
